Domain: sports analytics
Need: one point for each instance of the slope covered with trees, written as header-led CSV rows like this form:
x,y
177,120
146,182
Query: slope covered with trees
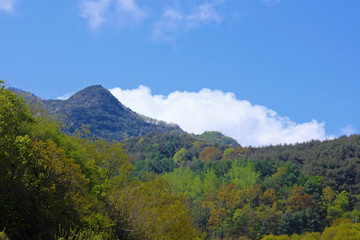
x,y
338,160
55,186
255,192
169,186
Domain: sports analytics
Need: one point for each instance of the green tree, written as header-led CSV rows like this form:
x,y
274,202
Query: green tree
x,y
184,181
229,154
210,181
342,200
242,176
180,157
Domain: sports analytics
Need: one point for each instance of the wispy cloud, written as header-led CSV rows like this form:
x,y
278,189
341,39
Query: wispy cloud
x,y
207,110
7,5
168,20
175,22
271,2
205,13
131,8
123,12
128,13
348,130
95,12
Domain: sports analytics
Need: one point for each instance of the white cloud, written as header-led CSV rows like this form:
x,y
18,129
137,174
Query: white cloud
x,y
94,12
208,110
204,13
348,130
122,12
132,10
7,5
174,22
65,96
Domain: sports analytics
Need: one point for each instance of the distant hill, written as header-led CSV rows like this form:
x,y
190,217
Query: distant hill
x,y
29,97
217,137
337,160
100,112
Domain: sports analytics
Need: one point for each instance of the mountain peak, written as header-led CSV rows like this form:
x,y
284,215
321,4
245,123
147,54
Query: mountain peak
x,y
95,95
105,116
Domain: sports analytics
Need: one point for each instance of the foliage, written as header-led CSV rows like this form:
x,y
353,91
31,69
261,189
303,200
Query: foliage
x,y
73,188
337,161
167,186
152,212
210,154
217,137
340,230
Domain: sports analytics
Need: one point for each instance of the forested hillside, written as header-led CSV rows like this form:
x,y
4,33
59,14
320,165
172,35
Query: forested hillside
x,y
255,192
55,186
338,160
96,109
169,186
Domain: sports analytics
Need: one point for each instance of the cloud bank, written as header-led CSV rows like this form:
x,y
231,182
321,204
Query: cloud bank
x,y
7,5
214,110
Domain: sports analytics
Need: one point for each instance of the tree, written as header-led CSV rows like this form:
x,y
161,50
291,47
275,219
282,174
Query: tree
x,y
210,154
343,230
108,156
152,212
268,197
328,195
229,154
242,176
274,237
184,181
299,200
180,157
342,200
210,181
216,218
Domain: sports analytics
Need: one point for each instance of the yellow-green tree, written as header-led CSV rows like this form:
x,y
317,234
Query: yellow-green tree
x,y
152,212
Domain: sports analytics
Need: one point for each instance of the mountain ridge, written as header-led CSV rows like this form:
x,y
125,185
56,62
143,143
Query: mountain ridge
x,y
104,115
96,109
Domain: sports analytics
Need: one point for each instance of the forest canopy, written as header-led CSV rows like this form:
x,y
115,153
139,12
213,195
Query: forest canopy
x,y
169,186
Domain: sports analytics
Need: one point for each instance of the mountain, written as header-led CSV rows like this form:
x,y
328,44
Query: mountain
x,y
96,109
30,98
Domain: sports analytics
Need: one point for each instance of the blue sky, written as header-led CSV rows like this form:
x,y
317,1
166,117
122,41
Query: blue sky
x,y
299,58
